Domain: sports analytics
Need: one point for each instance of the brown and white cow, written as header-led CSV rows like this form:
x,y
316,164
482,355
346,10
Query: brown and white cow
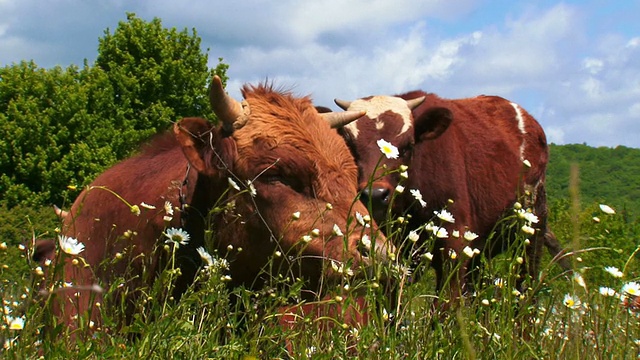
x,y
472,151
276,148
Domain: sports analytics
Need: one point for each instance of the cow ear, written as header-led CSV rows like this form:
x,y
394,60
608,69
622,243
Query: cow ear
x,y
197,138
44,249
323,109
432,123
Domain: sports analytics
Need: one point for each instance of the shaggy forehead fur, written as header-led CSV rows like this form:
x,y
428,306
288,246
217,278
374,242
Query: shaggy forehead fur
x,y
289,131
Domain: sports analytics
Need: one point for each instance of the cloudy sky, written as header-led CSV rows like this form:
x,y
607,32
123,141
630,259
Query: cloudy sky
x,y
575,65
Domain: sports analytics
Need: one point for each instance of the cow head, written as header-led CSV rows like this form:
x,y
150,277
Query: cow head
x,y
404,124
299,182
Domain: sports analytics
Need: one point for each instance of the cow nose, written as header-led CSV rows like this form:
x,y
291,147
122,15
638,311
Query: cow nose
x,y
377,195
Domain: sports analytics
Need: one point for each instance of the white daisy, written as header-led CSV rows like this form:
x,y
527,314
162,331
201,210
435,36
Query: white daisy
x,y
15,323
528,230
385,314
366,241
606,291
413,236
177,237
233,184
440,232
252,189
613,271
337,231
468,251
418,196
70,245
390,151
340,268
168,208
205,256
607,209
444,215
579,280
147,206
528,216
631,289
470,235
571,301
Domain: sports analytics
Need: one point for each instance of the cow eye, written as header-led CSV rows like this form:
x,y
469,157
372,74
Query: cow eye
x,y
405,150
290,181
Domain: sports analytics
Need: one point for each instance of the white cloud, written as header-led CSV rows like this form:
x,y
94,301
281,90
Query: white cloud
x,y
555,135
311,19
593,65
578,76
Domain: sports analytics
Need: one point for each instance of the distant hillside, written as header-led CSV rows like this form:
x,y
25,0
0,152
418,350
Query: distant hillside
x,y
607,175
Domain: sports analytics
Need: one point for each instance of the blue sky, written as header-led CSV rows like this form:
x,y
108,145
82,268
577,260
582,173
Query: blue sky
x,y
574,65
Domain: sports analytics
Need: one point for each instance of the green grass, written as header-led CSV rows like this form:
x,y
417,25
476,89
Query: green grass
x,y
557,317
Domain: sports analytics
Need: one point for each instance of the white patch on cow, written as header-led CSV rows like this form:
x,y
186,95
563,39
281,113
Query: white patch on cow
x,y
377,105
520,120
352,127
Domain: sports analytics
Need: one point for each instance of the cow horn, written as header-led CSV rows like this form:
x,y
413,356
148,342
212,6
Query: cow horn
x,y
61,213
414,103
340,119
224,106
344,105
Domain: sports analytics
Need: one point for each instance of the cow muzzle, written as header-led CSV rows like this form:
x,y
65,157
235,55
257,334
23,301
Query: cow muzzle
x,y
378,197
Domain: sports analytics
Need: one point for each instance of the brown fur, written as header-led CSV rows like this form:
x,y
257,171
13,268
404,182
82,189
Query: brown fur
x,y
294,160
466,150
325,315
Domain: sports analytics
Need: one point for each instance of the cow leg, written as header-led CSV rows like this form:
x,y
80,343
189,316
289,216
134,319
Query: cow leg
x,y
451,274
536,198
438,265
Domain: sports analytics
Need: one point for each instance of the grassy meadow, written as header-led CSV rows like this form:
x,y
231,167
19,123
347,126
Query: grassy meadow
x,y
593,313
66,125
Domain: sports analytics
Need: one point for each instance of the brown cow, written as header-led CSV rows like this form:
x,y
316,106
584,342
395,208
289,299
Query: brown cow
x,y
298,183
483,153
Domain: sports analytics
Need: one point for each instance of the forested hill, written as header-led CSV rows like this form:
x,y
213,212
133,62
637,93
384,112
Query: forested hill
x,y
607,175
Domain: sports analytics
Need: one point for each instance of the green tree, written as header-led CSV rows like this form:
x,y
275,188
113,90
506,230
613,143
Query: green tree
x,y
157,75
62,127
41,113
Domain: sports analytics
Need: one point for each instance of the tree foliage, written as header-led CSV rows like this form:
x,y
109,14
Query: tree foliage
x,y
62,127
156,75
607,175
